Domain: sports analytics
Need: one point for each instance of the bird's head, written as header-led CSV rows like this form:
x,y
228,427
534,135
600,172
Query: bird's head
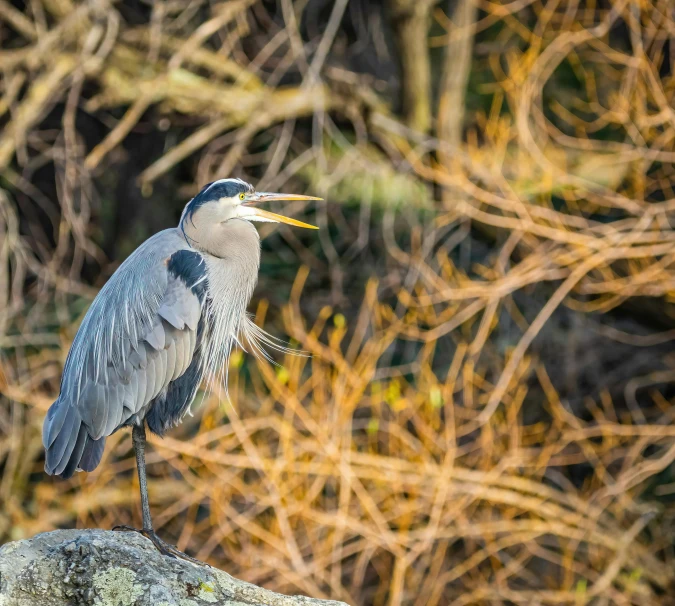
x,y
227,199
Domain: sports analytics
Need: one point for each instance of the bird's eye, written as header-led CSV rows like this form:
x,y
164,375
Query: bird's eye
x,y
242,196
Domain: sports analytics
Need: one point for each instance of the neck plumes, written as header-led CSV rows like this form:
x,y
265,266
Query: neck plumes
x,y
232,256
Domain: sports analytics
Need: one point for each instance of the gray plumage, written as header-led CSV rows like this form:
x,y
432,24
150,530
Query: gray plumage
x,y
168,316
139,335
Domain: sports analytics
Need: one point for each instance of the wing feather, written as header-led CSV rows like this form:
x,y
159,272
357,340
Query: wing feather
x,y
138,385
160,373
149,380
54,420
91,456
138,357
171,359
116,412
156,337
138,335
76,455
59,453
93,408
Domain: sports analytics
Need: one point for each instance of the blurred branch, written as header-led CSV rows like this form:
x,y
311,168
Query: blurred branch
x,y
410,20
475,420
115,137
17,20
263,110
455,76
42,92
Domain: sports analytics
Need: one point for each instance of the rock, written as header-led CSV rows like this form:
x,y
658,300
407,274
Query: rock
x,y
104,568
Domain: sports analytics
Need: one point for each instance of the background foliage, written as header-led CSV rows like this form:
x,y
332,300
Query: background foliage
x,y
486,415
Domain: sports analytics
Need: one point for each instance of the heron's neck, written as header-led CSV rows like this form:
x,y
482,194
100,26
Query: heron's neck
x,y
232,273
232,256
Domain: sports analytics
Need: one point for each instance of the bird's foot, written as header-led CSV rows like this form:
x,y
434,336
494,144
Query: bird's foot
x,y
162,546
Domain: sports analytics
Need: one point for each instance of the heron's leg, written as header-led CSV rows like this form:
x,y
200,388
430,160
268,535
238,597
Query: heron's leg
x,y
138,438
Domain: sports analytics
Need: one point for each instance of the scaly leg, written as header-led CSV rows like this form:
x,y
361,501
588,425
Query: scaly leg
x,y
138,438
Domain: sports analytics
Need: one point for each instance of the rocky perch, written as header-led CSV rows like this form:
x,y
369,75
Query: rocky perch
x,y
104,568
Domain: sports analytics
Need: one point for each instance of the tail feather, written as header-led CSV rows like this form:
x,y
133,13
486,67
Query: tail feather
x,y
58,453
54,420
68,445
93,451
73,460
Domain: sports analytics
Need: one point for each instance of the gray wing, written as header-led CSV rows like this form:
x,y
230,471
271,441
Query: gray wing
x,y
138,336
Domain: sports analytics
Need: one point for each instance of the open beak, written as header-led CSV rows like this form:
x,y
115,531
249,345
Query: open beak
x,y
258,214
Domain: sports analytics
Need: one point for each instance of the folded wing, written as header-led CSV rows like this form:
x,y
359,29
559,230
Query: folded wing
x,y
133,350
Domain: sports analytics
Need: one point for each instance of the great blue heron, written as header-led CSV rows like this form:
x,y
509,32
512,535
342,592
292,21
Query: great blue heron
x,y
168,316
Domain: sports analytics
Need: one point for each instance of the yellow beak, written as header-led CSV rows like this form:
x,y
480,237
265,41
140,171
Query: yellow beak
x,y
257,214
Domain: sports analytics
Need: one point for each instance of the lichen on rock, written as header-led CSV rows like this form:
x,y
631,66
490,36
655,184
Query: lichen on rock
x,y
115,587
104,568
